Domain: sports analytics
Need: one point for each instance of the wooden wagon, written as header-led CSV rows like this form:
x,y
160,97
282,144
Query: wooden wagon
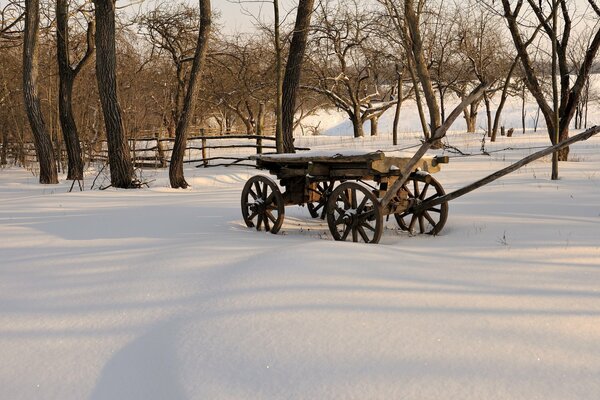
x,y
345,188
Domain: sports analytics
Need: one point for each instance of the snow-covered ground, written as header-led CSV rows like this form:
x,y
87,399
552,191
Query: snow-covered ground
x,y
165,294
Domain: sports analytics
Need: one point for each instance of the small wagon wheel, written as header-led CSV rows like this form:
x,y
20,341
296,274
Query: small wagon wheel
x,y
262,204
354,211
422,188
318,209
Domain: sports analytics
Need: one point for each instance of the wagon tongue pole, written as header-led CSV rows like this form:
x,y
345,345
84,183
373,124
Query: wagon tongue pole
x,y
505,171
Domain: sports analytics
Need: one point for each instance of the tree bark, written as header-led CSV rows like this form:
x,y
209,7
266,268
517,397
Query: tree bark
x,y
4,150
412,21
176,176
293,69
357,124
398,106
279,82
41,138
67,75
488,113
374,125
503,97
119,157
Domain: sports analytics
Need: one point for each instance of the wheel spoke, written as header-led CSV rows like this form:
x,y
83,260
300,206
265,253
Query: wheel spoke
x,y
424,191
264,193
368,226
416,186
257,187
354,199
339,219
271,216
266,220
346,232
428,218
354,234
259,222
251,193
345,199
269,198
362,205
365,216
421,224
363,234
251,216
413,221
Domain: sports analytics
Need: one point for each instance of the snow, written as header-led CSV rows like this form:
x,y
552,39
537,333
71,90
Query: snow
x,y
166,294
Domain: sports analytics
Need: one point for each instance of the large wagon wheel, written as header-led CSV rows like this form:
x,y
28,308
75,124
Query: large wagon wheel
x,y
422,188
262,204
354,211
318,209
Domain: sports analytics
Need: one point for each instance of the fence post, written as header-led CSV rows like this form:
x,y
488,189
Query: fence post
x,y
204,160
259,145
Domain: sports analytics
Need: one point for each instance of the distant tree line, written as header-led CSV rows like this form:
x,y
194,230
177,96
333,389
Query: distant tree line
x,y
74,72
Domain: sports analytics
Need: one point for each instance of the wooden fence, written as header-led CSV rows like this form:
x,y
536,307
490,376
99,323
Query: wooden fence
x,y
205,150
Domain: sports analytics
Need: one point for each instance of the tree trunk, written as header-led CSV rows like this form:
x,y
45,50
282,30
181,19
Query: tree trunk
x,y
176,177
279,82
420,110
357,124
488,113
41,138
293,68
503,97
421,67
524,97
4,150
470,114
412,22
374,126
119,158
67,76
398,106
470,121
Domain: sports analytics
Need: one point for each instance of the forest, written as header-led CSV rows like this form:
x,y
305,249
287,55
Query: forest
x,y
77,74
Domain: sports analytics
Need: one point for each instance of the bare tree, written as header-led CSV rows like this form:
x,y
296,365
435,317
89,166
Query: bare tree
x,y
406,16
293,68
172,30
67,74
43,144
342,63
119,158
559,110
176,176
240,79
12,15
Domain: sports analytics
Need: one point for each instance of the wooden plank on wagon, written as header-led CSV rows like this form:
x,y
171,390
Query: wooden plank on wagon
x,y
391,164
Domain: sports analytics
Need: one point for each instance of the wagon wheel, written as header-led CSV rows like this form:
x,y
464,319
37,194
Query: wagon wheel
x,y
431,220
353,210
318,209
262,204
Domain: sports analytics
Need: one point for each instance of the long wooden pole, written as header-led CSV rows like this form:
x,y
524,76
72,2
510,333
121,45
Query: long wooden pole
x,y
505,171
438,134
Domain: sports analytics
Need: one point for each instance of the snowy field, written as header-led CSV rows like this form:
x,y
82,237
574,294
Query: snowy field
x,y
165,294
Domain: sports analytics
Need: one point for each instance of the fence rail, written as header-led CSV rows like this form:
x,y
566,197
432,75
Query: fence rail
x,y
151,152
